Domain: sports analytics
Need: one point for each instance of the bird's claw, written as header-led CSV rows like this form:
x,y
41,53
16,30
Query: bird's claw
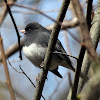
x,y
37,78
42,65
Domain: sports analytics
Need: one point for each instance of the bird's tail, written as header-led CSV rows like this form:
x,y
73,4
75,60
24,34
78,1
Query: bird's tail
x,y
69,66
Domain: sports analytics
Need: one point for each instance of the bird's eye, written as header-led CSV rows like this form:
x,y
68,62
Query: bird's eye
x,y
29,30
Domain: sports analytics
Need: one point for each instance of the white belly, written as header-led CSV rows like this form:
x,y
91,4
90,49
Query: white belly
x,y
35,53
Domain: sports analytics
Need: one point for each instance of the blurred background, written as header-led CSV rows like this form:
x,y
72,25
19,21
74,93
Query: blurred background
x,y
55,88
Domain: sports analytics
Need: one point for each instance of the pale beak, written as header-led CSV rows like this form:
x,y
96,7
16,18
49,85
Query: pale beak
x,y
23,31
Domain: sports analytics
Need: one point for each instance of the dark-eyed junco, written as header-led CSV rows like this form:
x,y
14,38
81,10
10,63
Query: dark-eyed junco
x,y
36,40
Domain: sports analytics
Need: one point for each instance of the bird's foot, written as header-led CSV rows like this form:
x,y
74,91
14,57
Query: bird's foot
x,y
37,78
42,65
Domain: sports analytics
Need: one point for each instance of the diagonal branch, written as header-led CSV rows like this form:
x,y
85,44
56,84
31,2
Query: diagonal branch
x,y
95,35
8,8
84,29
51,46
88,44
30,80
42,13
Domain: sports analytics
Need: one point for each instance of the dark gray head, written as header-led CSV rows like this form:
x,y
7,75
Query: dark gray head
x,y
33,27
34,32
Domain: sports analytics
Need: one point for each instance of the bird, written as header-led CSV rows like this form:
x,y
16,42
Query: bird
x,y
36,39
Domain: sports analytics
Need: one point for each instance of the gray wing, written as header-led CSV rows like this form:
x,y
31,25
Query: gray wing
x,y
59,48
44,39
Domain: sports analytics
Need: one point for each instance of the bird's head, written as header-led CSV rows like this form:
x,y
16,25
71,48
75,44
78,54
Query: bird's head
x,y
31,27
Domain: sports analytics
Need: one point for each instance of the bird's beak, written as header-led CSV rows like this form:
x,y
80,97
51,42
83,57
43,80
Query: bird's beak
x,y
23,31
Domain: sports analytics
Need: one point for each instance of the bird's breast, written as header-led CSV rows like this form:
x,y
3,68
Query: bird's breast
x,y
35,53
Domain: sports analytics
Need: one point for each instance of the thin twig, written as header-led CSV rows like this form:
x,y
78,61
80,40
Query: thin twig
x,y
44,11
67,24
8,8
29,79
40,12
6,70
36,10
27,76
79,41
24,74
13,67
62,53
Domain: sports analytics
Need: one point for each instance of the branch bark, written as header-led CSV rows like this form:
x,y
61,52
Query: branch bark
x,y
8,8
89,11
6,71
88,44
91,90
95,35
67,24
51,46
3,14
45,15
11,50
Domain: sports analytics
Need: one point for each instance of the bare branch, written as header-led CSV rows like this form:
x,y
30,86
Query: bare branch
x,y
13,67
88,44
89,13
11,50
67,24
91,90
84,29
40,12
95,35
6,70
27,76
8,8
3,14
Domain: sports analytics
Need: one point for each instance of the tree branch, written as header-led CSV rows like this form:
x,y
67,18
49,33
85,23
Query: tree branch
x,y
30,80
51,46
91,90
86,38
8,8
67,24
3,14
40,12
95,35
89,13
6,70
12,49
